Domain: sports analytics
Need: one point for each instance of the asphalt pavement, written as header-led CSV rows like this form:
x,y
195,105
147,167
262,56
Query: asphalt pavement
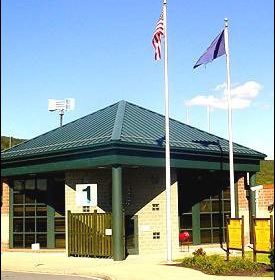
x,y
8,275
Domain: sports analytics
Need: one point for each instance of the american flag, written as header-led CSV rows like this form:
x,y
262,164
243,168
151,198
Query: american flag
x,y
156,41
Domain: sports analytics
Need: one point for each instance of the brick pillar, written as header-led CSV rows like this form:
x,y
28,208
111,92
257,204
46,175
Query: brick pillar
x,y
244,206
4,215
266,200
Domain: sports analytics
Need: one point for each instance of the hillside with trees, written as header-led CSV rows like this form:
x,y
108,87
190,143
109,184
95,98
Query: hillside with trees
x,y
7,142
266,173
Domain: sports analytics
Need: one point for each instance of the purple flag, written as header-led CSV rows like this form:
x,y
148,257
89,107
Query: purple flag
x,y
215,50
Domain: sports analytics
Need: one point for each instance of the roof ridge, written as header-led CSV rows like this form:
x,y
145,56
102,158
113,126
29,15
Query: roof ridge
x,y
116,134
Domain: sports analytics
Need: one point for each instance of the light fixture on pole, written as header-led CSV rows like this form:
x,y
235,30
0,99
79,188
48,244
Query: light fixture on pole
x,y
187,115
61,106
208,117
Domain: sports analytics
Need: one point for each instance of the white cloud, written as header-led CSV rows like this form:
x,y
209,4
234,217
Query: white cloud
x,y
239,103
248,90
200,100
241,96
220,87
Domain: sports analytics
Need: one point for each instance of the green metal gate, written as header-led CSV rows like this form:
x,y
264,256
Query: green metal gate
x,y
89,234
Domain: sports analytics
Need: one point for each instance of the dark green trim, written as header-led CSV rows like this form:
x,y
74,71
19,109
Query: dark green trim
x,y
196,224
68,164
236,200
10,215
117,215
116,145
136,153
58,166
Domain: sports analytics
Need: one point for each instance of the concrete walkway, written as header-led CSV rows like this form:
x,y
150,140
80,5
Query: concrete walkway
x,y
133,268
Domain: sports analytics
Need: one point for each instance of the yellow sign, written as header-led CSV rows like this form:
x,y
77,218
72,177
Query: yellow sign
x,y
235,234
262,235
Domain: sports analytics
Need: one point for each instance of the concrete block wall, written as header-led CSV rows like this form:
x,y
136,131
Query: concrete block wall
x,y
142,187
5,216
101,177
148,188
244,208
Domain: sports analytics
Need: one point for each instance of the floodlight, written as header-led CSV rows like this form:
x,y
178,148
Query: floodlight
x,y
67,104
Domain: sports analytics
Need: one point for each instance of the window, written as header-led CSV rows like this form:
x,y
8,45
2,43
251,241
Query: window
x,y
29,213
185,222
155,207
86,209
212,217
156,235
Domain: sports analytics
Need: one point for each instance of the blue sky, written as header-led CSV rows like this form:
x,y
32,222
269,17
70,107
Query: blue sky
x,y
100,52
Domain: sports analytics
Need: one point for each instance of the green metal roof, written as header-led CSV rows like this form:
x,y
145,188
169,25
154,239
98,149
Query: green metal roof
x,y
124,123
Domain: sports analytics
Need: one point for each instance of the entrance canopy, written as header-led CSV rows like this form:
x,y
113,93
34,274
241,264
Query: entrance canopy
x,y
124,134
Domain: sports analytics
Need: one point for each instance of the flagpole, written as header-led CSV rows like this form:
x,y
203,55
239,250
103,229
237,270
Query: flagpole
x,y
208,117
187,115
231,165
167,141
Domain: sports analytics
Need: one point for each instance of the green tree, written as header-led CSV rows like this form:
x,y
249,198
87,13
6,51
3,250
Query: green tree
x,y
266,173
7,142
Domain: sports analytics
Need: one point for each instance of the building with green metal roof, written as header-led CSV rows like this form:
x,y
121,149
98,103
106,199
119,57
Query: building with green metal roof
x,y
121,150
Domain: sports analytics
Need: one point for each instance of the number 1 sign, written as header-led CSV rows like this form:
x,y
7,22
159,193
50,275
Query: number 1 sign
x,y
86,195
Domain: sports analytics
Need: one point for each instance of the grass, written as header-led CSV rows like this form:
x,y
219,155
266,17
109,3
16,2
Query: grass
x,y
217,265
261,258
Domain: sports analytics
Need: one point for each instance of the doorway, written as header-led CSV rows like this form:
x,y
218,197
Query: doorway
x,y
131,234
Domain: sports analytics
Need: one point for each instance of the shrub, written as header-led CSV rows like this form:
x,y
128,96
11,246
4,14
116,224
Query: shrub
x,y
241,264
216,264
199,252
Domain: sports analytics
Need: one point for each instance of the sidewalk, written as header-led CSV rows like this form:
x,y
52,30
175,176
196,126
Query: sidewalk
x,y
137,267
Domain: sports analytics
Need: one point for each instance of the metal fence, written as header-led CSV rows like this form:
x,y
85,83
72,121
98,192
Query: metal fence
x,y
89,234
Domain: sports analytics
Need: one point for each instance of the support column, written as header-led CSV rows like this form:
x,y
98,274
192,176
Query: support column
x,y
252,204
117,215
236,189
196,227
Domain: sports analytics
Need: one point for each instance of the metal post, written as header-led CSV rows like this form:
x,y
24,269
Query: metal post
x,y
117,215
208,118
253,200
252,205
61,113
187,115
231,165
167,141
